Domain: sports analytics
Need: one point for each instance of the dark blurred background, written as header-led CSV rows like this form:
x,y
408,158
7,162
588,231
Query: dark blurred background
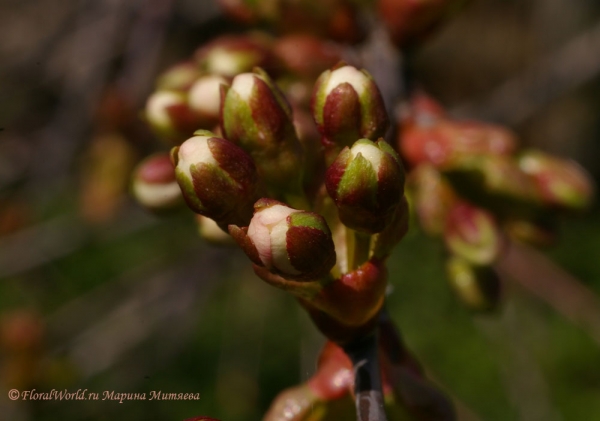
x,y
97,294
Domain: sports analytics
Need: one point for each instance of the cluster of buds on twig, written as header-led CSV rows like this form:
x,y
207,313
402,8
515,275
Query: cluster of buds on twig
x,y
471,186
277,145
305,185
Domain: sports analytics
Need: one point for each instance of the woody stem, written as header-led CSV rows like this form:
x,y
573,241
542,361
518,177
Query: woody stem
x,y
367,379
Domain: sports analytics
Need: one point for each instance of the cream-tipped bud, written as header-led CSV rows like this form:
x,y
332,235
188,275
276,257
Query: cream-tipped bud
x,y
234,54
367,184
154,184
170,116
293,243
561,183
205,96
256,116
347,105
218,179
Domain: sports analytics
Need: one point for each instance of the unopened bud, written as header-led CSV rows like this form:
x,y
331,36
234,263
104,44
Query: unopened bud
x,y
347,105
441,142
410,21
170,116
493,181
367,184
560,182
234,54
178,77
433,198
472,234
218,179
306,55
293,243
257,117
478,287
205,98
154,184
210,231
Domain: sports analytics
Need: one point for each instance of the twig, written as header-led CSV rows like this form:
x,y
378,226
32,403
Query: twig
x,y
517,99
367,379
552,284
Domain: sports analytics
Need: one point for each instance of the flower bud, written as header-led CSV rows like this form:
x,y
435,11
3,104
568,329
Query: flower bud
x,y
367,184
356,297
477,286
204,98
257,117
409,21
218,179
433,198
230,55
472,234
170,116
493,181
210,231
441,142
306,55
178,77
334,378
560,182
347,105
293,243
154,183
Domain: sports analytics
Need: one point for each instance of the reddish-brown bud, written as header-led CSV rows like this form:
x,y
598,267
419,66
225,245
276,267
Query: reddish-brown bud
x,y
306,55
441,142
293,243
230,55
256,116
367,184
218,179
433,197
347,106
560,182
409,21
154,184
472,233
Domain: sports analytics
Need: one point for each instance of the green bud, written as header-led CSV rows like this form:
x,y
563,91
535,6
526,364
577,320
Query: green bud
x,y
366,183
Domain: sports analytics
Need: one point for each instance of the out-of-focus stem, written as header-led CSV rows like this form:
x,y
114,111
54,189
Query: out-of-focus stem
x,y
552,284
367,379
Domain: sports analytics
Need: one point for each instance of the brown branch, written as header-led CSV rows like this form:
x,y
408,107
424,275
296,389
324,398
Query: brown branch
x,y
547,281
569,67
